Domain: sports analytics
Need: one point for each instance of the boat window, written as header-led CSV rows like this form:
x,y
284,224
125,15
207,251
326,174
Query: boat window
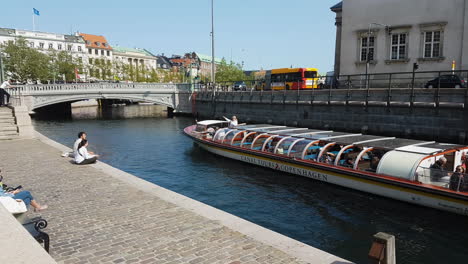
x,y
229,136
271,143
298,148
283,147
348,157
258,142
313,150
238,137
220,134
328,154
248,139
369,159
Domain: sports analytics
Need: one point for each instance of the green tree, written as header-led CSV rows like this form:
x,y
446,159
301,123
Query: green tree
x,y
64,64
24,63
229,72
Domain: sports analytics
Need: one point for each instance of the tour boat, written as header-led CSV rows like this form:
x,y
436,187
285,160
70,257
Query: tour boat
x,y
397,168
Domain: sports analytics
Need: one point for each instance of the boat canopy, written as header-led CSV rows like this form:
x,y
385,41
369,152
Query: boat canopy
x,y
400,164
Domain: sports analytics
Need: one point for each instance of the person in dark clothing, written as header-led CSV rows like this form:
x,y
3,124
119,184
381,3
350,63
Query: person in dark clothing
x,y
457,180
437,169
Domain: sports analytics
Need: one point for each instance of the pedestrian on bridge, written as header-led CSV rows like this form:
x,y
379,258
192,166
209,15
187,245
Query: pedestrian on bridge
x,y
3,93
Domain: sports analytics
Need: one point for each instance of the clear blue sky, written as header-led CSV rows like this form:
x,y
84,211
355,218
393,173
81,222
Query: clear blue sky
x,y
263,34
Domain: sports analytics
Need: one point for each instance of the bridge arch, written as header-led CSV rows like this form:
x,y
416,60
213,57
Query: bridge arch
x,y
51,100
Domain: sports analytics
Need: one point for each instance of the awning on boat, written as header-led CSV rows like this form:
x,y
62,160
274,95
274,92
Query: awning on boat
x,y
400,164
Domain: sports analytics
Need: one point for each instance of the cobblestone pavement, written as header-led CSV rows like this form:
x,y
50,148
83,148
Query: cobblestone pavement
x,y
94,218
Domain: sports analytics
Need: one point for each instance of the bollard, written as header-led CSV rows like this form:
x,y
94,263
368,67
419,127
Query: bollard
x,y
382,250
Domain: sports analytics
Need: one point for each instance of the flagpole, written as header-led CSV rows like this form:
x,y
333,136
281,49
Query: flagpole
x,y
34,25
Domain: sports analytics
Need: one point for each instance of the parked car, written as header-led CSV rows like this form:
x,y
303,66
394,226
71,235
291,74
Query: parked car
x,y
446,81
239,86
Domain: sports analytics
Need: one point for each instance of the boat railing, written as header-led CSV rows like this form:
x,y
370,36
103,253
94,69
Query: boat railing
x,y
451,180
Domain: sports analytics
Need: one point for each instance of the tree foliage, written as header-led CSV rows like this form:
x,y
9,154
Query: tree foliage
x,y
229,72
23,62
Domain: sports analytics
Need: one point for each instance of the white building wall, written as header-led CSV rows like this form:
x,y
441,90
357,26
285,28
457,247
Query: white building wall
x,y
403,16
56,40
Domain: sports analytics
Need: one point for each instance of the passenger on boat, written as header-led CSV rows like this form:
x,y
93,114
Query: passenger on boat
x,y
374,163
349,162
210,132
232,122
437,170
457,180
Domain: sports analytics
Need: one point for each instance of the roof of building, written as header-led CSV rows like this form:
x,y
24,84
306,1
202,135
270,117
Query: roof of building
x,y
142,52
95,41
7,32
207,58
337,7
74,38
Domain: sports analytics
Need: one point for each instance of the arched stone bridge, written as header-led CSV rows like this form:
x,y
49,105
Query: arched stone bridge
x,y
176,96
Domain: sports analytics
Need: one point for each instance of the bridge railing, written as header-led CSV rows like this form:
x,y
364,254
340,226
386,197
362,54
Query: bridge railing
x,y
46,88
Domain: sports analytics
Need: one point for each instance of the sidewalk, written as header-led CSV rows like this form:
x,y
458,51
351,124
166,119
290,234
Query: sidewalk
x,y
98,214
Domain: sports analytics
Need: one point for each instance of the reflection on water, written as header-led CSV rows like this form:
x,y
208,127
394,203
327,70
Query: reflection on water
x,y
338,220
118,112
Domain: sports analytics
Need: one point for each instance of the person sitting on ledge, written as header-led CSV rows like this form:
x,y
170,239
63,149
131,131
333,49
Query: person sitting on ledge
x,y
83,157
24,196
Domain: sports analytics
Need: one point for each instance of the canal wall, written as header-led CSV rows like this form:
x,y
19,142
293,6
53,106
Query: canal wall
x,y
422,113
98,213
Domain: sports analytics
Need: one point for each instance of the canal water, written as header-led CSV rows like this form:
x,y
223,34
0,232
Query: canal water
x,y
337,220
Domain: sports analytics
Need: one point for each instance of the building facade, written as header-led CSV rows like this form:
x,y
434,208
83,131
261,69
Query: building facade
x,y
391,35
100,56
45,42
135,57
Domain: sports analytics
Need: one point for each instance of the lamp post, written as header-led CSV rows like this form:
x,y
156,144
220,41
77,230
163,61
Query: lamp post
x,y
212,51
2,77
369,32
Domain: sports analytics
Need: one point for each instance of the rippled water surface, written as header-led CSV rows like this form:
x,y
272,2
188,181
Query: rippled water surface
x,y
331,218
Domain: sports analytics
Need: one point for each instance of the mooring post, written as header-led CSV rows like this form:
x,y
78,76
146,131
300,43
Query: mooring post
x,y
382,250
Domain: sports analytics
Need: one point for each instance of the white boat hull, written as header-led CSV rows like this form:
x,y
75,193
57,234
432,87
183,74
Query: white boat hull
x,y
387,190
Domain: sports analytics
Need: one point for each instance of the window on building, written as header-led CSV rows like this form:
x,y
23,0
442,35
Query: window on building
x,y
88,42
399,46
80,59
79,48
432,44
59,46
69,47
51,46
98,43
31,44
102,52
367,48
108,53
104,44
96,52
90,51
41,45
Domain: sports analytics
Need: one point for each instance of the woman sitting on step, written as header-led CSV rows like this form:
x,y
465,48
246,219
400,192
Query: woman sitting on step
x,y
84,157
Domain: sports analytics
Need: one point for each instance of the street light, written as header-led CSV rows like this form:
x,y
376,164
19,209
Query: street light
x,y
369,32
212,50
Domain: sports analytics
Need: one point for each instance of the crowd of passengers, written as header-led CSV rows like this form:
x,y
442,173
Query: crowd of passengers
x,y
456,180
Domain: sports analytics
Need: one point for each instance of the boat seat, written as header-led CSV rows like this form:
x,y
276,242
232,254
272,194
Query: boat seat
x,y
312,156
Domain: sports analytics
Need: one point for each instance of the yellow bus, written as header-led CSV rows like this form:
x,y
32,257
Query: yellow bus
x,y
288,79
294,79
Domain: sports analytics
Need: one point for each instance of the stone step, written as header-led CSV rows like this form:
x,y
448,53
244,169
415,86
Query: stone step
x,y
8,128
8,133
9,137
9,120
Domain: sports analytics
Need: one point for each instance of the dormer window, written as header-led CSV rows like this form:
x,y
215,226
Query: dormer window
x,y
88,42
104,44
98,43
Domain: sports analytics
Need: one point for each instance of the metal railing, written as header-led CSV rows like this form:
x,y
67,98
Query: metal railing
x,y
38,88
